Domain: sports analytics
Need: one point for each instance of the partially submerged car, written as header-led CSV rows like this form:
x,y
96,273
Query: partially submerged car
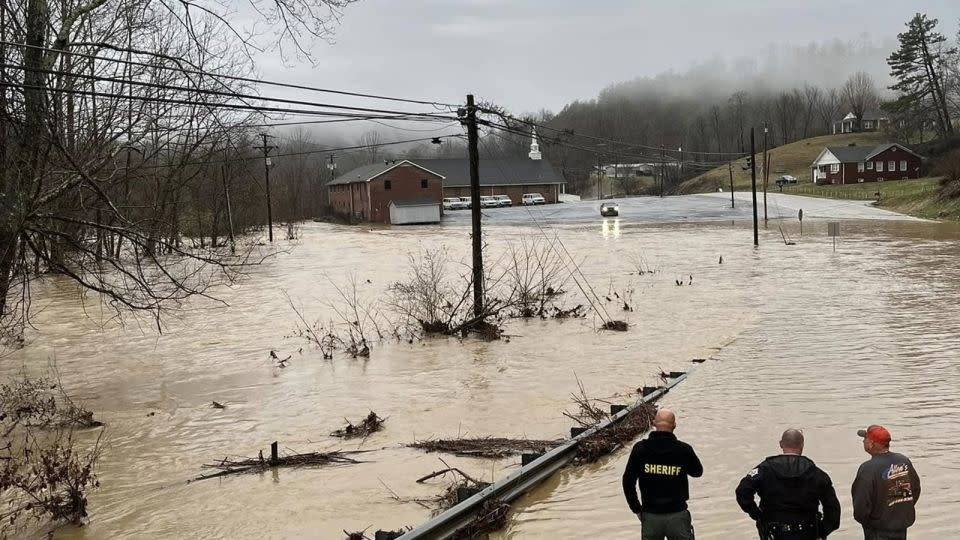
x,y
468,203
503,200
609,209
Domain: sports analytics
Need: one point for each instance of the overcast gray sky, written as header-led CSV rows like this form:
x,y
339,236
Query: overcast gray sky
x,y
528,54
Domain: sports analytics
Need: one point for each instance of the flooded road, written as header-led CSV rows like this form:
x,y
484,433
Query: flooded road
x,y
798,336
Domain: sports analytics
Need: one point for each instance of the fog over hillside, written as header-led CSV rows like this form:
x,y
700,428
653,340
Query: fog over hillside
x,y
826,65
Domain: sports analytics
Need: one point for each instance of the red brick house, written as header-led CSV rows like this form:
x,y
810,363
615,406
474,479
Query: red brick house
x,y
366,193
509,176
856,164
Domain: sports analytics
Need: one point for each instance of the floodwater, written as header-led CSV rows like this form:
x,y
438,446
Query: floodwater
x,y
797,336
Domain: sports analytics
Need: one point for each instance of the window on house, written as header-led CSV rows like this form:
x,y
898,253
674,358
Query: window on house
x,y
861,166
835,168
869,165
879,166
387,185
423,183
867,124
891,165
903,166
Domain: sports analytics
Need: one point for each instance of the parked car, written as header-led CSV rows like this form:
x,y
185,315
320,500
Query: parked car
x,y
530,199
453,203
610,209
785,180
467,201
487,201
503,200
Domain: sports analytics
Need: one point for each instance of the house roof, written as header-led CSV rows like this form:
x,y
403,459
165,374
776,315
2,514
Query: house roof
x,y
365,173
875,114
494,172
848,154
414,203
856,154
884,147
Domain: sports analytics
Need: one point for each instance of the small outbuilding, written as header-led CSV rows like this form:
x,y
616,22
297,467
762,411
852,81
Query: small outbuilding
x,y
414,212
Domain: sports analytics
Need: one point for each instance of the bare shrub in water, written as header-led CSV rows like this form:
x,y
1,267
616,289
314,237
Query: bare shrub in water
x,y
535,275
44,473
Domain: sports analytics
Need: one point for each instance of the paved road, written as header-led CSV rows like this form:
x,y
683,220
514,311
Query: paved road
x,y
685,208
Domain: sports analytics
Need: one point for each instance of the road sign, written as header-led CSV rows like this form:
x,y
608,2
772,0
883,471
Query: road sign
x,y
833,230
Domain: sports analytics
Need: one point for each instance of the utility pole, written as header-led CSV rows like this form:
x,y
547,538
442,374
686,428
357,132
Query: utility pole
x,y
226,193
663,170
266,173
599,178
753,183
766,173
733,203
472,139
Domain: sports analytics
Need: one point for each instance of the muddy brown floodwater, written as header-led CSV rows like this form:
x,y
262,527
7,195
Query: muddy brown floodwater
x,y
797,336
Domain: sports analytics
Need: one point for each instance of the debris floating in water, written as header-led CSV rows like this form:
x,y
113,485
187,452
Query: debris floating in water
x,y
484,447
370,424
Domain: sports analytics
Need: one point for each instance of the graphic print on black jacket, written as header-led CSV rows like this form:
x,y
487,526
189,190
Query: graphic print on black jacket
x,y
791,489
660,465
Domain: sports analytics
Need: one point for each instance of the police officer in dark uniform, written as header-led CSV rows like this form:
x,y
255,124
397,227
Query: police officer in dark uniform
x,y
792,490
659,466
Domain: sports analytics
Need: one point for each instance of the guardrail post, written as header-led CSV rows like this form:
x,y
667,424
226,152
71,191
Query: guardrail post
x,y
526,459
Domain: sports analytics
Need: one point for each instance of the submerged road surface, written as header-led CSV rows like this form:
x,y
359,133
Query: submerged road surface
x,y
682,208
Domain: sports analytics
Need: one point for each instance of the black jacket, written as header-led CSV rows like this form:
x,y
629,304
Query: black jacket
x,y
885,491
792,489
660,465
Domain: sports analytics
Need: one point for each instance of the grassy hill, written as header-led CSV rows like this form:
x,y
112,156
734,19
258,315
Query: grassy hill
x,y
794,158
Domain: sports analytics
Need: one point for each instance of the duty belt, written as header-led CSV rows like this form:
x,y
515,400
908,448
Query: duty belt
x,y
778,527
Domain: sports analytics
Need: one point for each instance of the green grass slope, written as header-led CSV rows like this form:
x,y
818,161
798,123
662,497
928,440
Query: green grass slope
x,y
794,158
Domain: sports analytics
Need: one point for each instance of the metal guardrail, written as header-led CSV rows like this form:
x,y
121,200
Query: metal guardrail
x,y
511,487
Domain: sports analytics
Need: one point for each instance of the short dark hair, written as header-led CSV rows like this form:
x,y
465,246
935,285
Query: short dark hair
x,y
792,438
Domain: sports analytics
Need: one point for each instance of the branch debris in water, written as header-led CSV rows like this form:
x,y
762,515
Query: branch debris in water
x,y
370,424
484,447
258,464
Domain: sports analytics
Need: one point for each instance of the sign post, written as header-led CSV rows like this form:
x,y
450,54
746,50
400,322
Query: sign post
x,y
800,217
833,230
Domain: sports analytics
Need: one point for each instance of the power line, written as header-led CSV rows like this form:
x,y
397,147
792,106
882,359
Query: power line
x,y
216,75
290,154
205,91
235,106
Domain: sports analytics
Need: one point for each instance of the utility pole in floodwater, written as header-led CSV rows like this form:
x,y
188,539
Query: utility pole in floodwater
x,y
753,183
472,139
766,173
733,203
266,173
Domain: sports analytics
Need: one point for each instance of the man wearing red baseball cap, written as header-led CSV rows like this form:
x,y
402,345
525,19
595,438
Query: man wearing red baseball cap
x,y
885,490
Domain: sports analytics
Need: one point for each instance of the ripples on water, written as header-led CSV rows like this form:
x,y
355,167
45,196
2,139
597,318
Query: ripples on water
x,y
824,341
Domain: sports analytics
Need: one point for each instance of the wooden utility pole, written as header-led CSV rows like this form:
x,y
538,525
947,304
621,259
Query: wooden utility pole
x,y
266,173
663,170
599,178
733,203
226,193
766,173
753,183
472,140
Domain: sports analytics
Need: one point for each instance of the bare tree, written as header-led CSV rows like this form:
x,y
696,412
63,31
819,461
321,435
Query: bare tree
x,y
828,109
370,139
738,103
859,95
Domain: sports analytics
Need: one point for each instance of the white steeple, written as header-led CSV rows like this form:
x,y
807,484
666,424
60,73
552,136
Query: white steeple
x,y
534,147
